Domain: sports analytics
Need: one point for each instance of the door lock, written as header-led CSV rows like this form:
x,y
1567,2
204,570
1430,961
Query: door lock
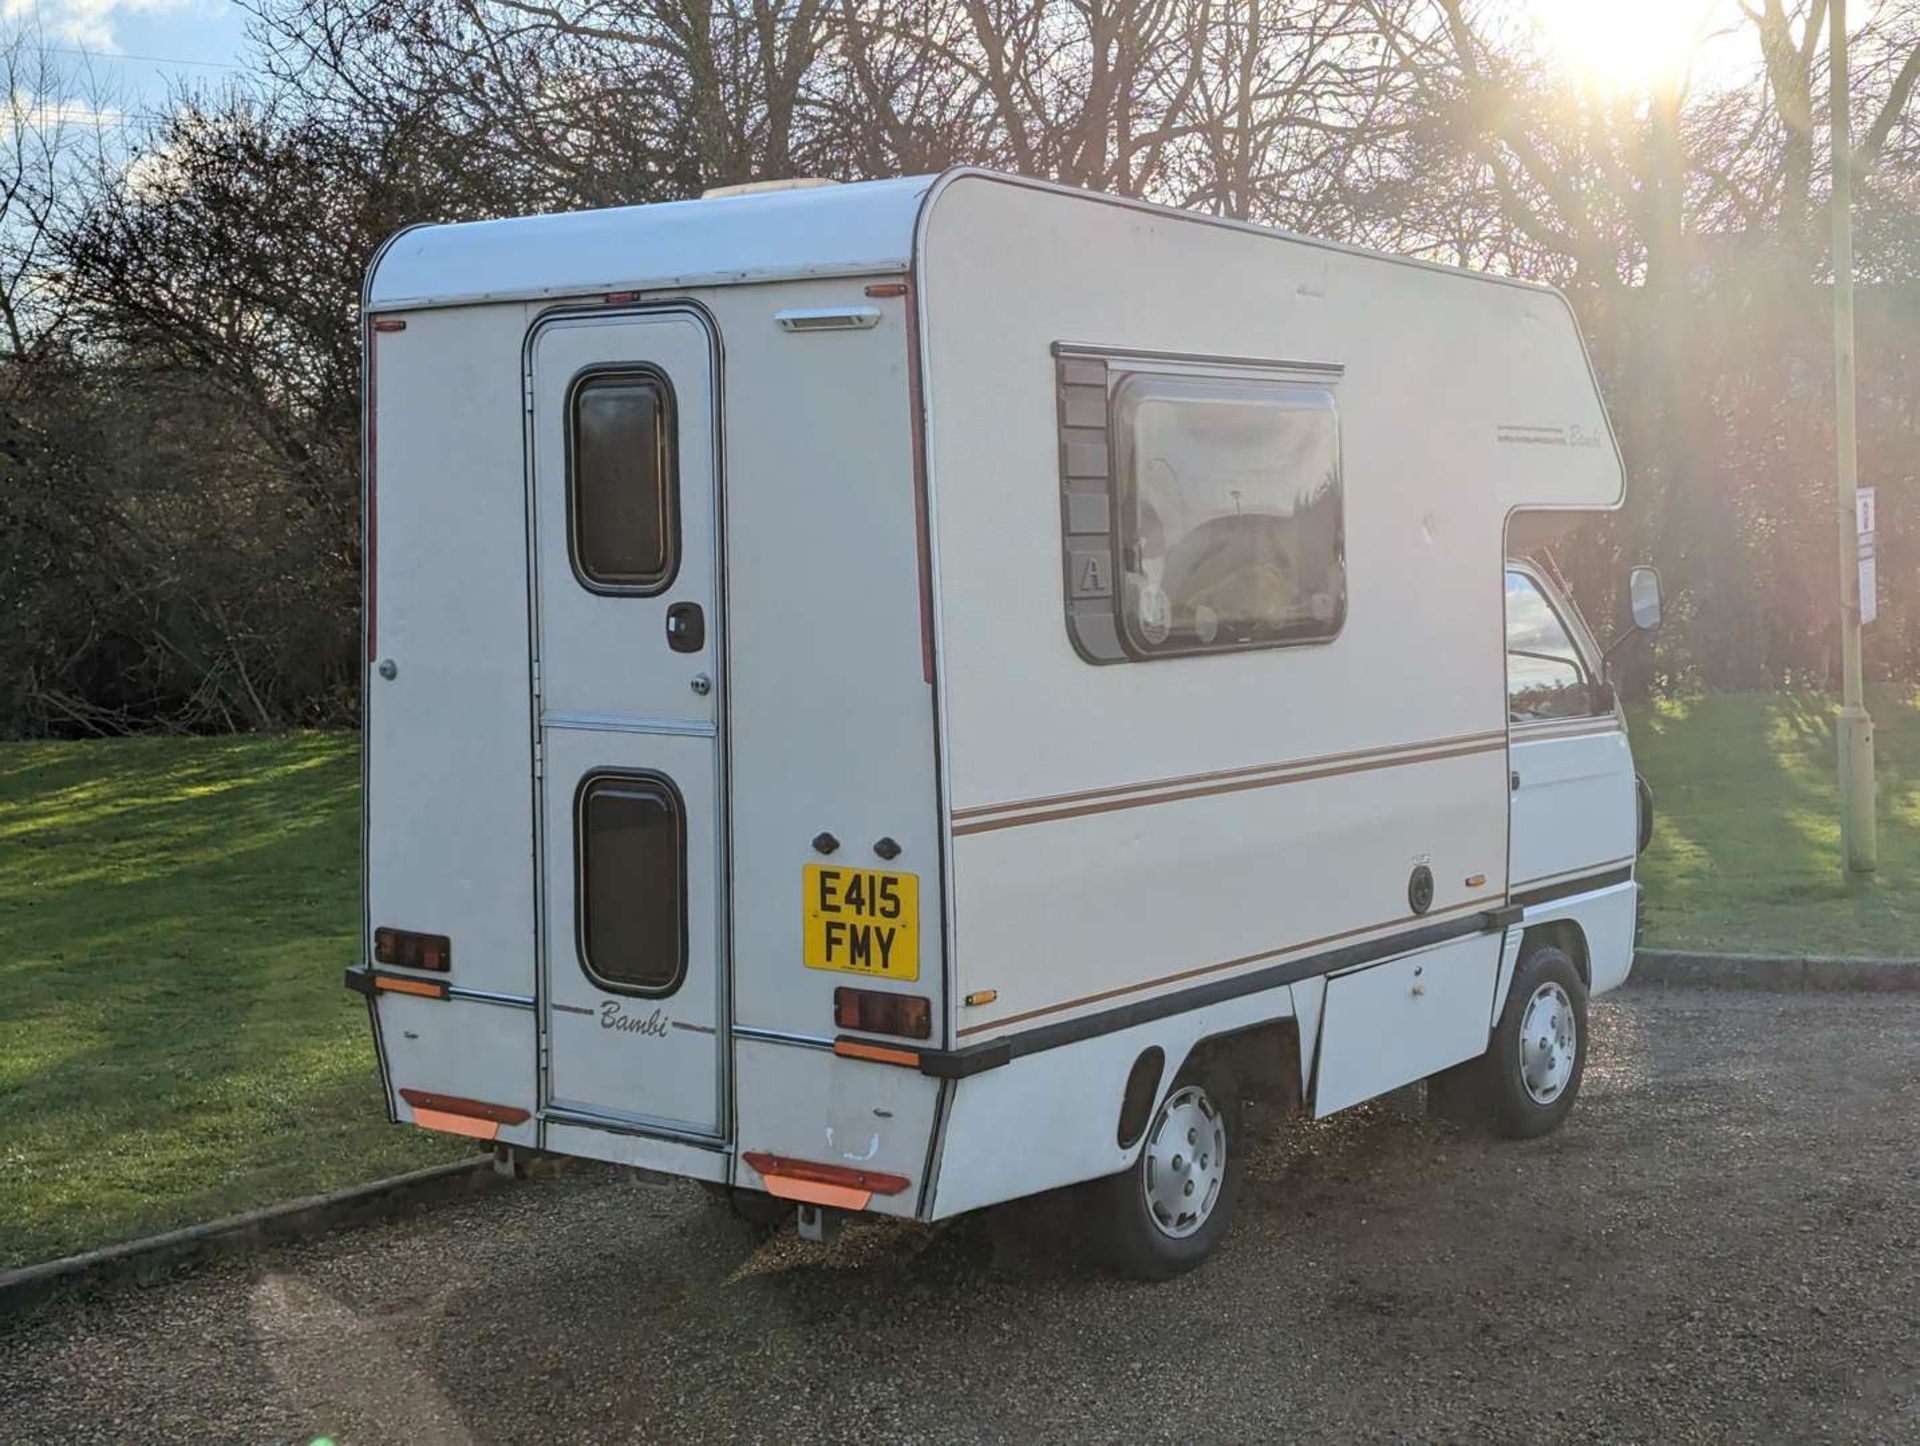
x,y
686,627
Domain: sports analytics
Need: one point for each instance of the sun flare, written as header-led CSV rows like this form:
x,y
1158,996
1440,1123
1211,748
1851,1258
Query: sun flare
x,y
1623,45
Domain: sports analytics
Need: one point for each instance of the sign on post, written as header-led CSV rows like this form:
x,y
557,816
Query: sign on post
x,y
1864,521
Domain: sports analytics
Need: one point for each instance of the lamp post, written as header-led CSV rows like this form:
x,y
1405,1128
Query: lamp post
x,y
1859,841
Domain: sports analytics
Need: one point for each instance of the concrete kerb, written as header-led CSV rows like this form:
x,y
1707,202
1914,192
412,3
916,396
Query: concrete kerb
x,y
157,1255
1701,970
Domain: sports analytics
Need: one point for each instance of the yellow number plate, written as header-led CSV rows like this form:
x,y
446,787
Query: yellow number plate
x,y
861,921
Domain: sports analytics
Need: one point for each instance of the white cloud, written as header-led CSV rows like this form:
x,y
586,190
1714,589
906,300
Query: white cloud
x,y
24,110
87,23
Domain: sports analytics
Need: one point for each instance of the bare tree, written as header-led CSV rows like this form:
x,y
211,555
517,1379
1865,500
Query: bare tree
x,y
177,528
51,119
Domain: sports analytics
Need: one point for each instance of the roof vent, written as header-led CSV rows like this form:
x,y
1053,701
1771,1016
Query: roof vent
x,y
759,188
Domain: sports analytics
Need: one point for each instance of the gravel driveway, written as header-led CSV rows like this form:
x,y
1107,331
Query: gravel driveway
x,y
1724,1242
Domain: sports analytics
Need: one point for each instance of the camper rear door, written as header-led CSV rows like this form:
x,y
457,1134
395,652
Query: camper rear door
x,y
632,846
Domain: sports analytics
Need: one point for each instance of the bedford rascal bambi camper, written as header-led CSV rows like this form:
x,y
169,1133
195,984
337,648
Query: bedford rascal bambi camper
x,y
900,696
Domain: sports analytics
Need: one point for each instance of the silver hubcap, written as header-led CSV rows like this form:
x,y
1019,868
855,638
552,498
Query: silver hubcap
x,y
1549,1042
1184,1161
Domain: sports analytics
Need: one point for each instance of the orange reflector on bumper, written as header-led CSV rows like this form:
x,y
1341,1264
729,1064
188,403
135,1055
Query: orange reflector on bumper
x,y
457,1115
878,1053
400,984
455,1124
817,1184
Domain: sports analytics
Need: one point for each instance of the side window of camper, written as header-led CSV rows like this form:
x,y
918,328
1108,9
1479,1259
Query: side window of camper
x,y
1545,675
1230,526
622,483
631,913
1202,511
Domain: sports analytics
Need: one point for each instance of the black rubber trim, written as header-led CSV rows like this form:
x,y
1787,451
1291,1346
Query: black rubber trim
x,y
972,1059
959,1063
360,980
1566,888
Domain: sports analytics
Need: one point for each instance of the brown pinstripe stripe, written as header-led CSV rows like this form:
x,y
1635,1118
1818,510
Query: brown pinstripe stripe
x,y
1183,780
1496,742
1186,974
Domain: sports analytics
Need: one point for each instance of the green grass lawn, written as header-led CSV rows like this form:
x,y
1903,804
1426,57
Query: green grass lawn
x,y
175,1043
1746,843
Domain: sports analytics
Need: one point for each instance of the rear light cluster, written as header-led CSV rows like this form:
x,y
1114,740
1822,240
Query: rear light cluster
x,y
407,950
869,1010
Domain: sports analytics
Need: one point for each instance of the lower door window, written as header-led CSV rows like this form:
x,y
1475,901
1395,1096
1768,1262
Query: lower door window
x,y
630,849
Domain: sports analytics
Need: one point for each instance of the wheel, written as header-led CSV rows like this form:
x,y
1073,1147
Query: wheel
x,y
1531,1073
1167,1211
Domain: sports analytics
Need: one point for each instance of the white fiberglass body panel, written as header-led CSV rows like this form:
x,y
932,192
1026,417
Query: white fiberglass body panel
x,y
1126,830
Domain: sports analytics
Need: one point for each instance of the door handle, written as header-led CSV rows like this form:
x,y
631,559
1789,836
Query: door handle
x,y
686,627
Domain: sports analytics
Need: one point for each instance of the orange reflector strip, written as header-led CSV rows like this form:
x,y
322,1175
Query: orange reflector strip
x,y
878,1053
1474,881
427,988
389,323
817,1184
982,996
455,1124
461,1105
811,1192
887,288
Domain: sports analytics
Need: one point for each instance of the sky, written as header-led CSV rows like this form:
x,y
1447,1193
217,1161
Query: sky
x,y
136,49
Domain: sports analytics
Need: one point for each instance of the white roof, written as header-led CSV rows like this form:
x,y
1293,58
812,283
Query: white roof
x,y
815,231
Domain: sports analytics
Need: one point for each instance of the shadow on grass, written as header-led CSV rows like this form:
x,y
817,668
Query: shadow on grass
x,y
174,914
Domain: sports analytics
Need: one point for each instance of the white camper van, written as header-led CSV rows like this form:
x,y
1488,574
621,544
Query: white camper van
x,y
905,695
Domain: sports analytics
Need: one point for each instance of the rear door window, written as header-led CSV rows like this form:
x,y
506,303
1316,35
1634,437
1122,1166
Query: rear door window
x,y
622,482
631,852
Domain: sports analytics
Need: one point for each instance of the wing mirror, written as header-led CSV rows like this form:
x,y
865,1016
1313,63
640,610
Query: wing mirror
x,y
1643,600
1643,595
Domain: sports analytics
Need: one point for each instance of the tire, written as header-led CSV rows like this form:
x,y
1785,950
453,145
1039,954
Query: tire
x,y
1530,1075
1166,1212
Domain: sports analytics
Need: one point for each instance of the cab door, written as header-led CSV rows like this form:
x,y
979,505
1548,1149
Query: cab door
x,y
629,700
1572,773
